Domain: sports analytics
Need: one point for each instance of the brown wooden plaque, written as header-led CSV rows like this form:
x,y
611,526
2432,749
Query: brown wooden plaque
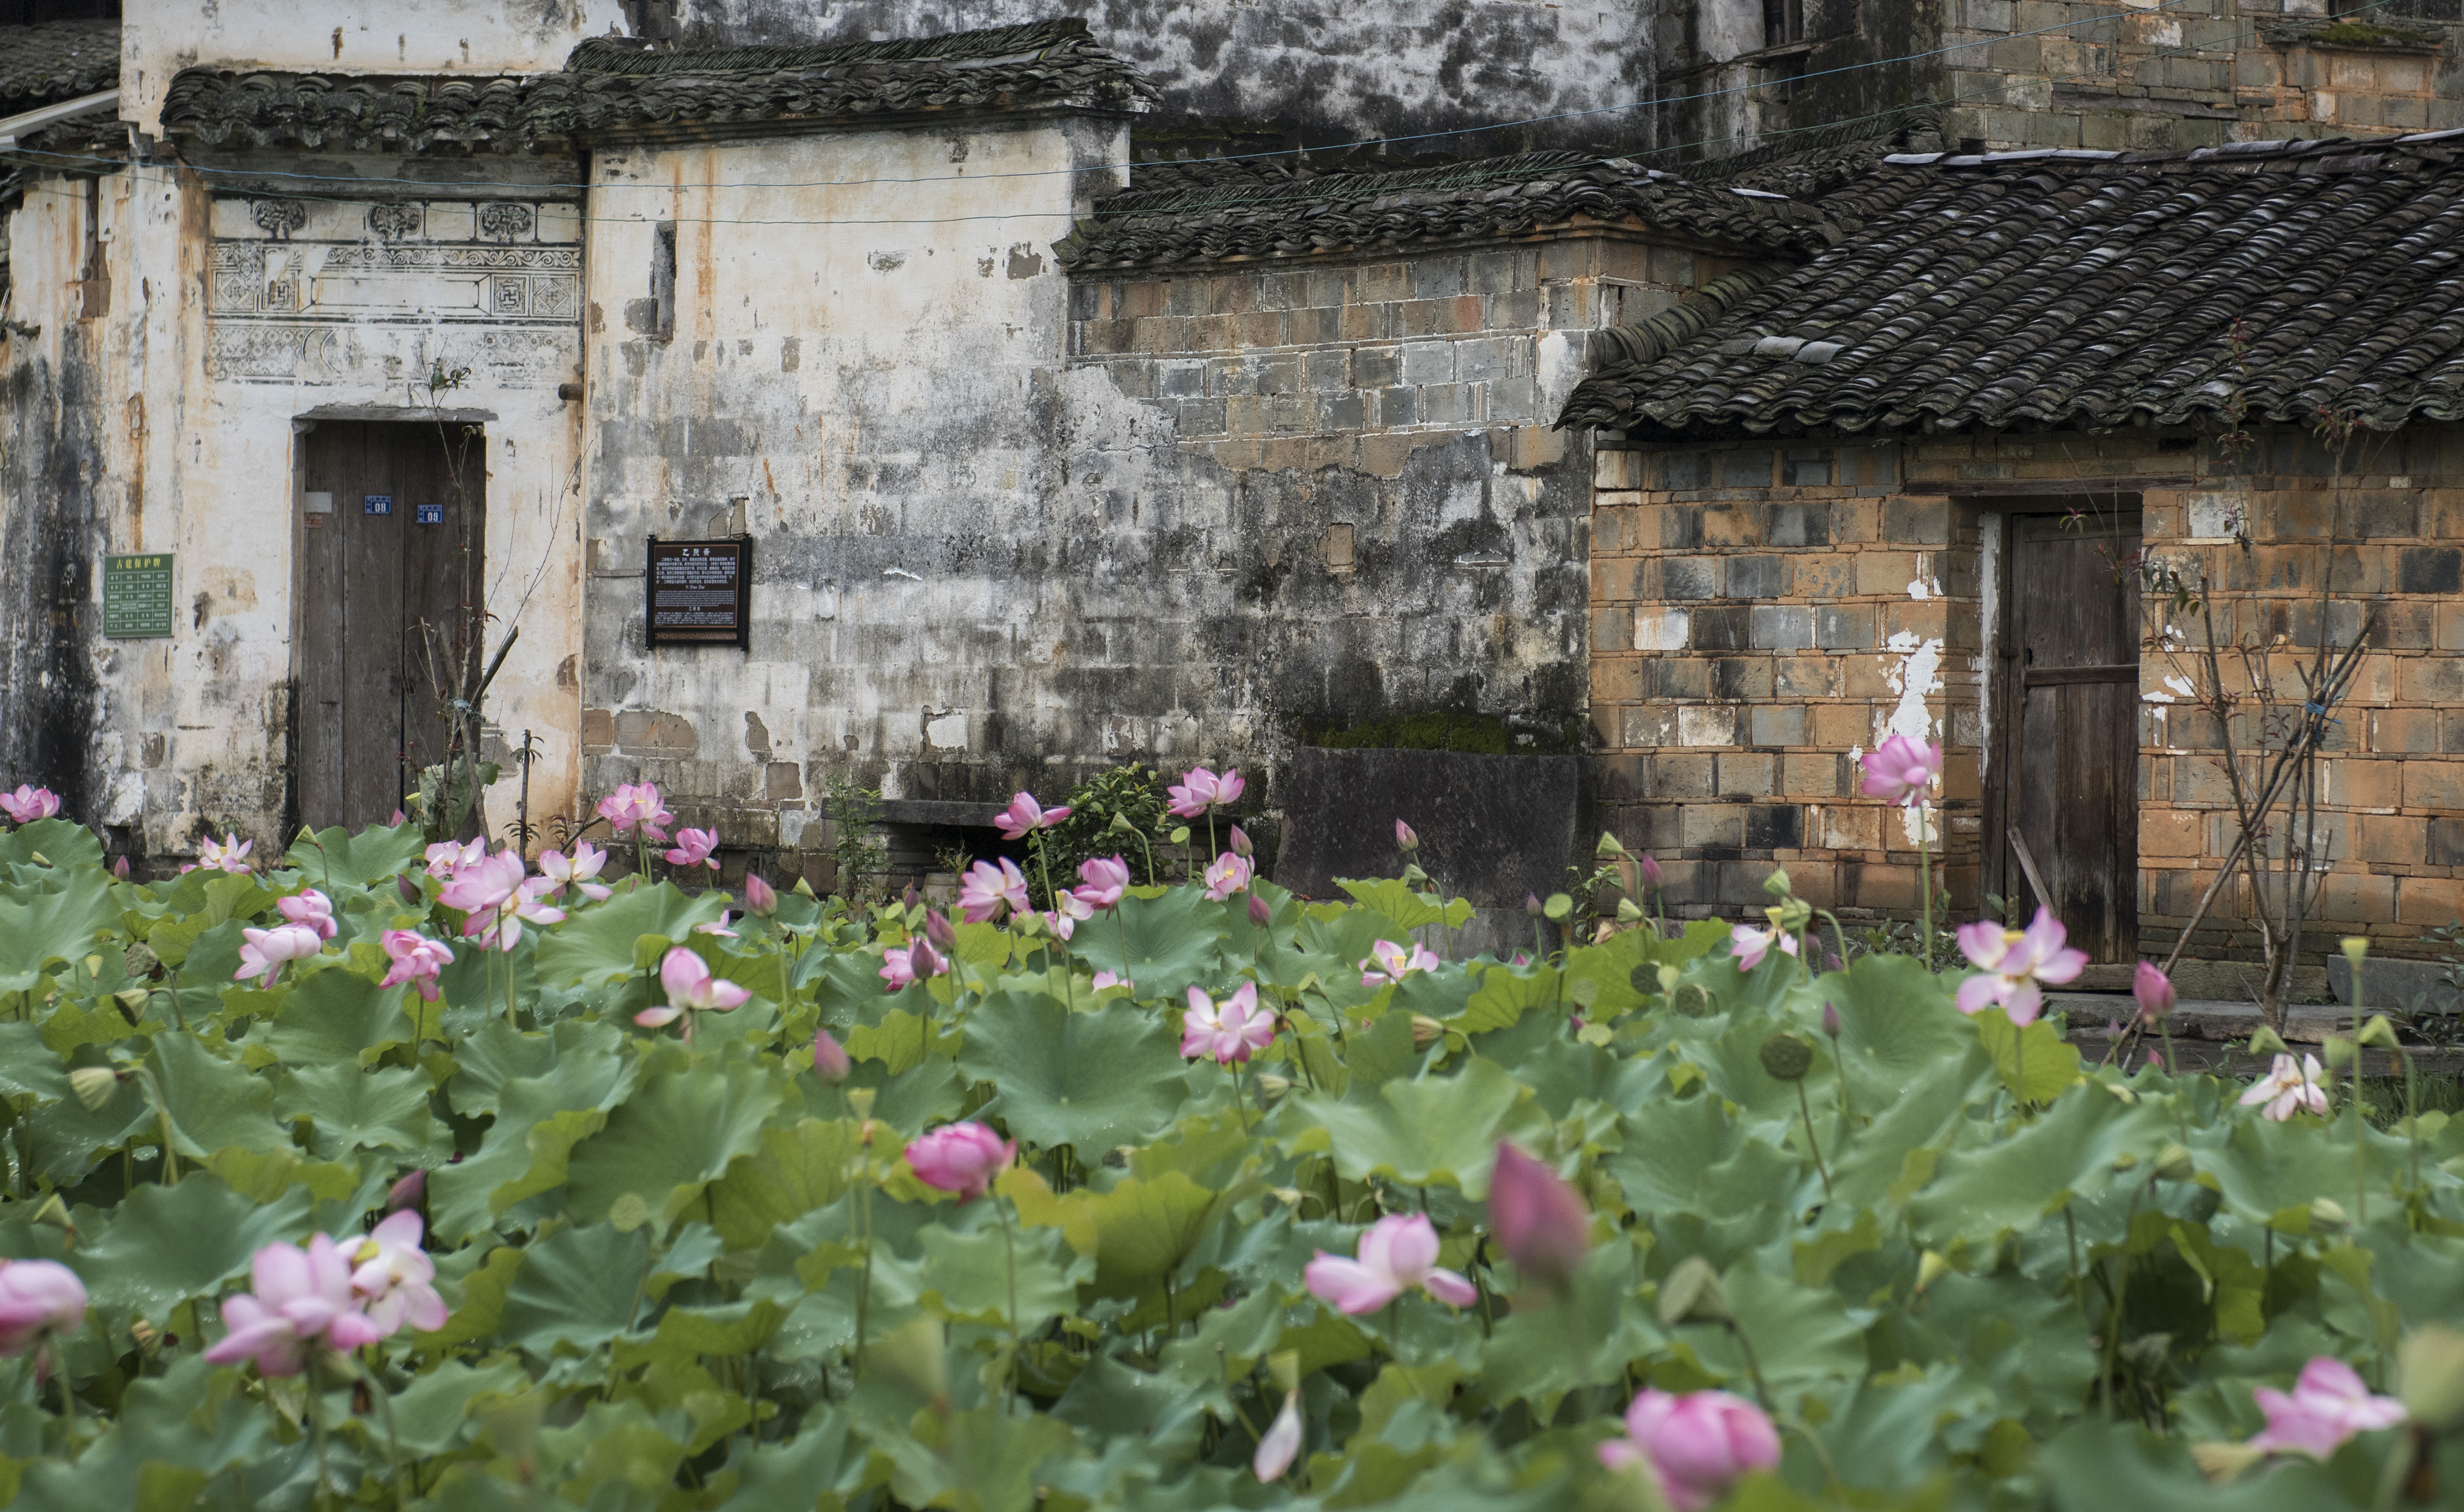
x,y
702,592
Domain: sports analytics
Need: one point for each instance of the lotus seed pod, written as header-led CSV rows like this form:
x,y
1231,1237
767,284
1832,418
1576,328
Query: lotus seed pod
x,y
1787,1057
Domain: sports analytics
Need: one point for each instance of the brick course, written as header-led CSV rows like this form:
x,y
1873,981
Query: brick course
x,y
1767,635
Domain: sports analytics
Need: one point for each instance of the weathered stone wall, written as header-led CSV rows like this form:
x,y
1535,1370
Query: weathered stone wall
x,y
1310,73
1763,615
178,337
1009,529
2095,74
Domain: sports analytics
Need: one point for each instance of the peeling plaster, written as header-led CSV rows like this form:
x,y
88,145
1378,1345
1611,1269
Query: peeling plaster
x,y
1918,674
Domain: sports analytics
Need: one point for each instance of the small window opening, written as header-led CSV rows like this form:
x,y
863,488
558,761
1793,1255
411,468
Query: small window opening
x,y
663,280
1782,22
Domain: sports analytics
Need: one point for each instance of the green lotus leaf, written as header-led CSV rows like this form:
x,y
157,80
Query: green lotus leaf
x,y
1092,1080
791,1172
166,1245
607,941
336,857
1164,944
578,1287
45,931
1433,1131
353,1109
674,1136
525,1150
214,1103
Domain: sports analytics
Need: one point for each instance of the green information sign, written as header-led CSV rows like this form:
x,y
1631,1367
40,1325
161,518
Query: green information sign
x,y
137,596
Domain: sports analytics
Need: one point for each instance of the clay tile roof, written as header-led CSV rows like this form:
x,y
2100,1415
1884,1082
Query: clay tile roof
x,y
56,60
2089,290
614,87
1186,213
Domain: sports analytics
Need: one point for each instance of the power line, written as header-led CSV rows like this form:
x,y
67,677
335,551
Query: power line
x,y
1243,157
1286,196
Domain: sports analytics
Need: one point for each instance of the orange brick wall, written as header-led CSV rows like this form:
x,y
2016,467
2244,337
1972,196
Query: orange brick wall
x,y
1758,611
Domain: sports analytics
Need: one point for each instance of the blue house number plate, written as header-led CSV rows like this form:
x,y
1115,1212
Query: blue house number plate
x,y
376,503
429,514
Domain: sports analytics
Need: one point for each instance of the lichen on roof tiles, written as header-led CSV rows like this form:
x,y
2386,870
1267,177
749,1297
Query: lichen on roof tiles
x,y
2065,292
56,60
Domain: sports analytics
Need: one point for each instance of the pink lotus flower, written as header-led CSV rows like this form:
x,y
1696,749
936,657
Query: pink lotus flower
x,y
300,1297
576,870
718,927
1064,916
1749,945
411,1192
394,1279
264,952
691,990
692,848
228,854
2289,1087
988,890
119,867
496,894
1398,1254
1900,770
416,960
312,910
1230,874
1108,979
2329,1404
1240,844
1539,1222
1281,1444
1260,915
634,810
398,820
2153,990
37,1298
1405,839
29,804
1694,1445
1649,869
1023,816
902,966
1102,881
2015,960
761,898
962,1158
447,857
1389,962
1230,1030
1201,790
830,1060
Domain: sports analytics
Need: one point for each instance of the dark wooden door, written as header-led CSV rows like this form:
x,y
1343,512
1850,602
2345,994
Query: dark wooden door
x,y
2064,774
388,583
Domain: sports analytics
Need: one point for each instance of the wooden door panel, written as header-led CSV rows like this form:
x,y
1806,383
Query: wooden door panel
x,y
2068,703
371,713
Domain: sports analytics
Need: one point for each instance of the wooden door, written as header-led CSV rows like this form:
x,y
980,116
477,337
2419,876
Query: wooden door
x,y
389,585
2062,783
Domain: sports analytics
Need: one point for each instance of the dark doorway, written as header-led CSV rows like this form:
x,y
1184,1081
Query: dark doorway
x,y
388,590
2062,782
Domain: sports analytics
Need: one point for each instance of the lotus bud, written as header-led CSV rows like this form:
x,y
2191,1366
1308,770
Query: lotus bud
x,y
1405,838
1281,1443
2325,1212
1650,870
92,1085
921,959
909,897
1830,1019
1425,1031
1930,1267
761,898
1270,1087
830,1058
1240,846
2155,990
939,929
408,890
2430,1363
1259,913
411,1192
1608,849
1786,1058
120,868
1539,1221
1691,1292
1532,905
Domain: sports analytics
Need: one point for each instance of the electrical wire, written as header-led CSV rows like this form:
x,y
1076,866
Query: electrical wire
x,y
1293,194
1246,156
